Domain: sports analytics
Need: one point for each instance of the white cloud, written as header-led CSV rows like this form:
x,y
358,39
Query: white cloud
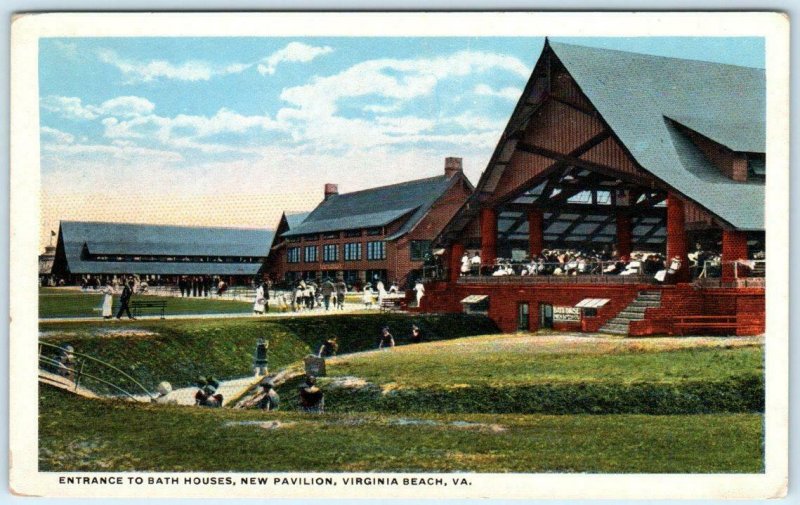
x,y
67,107
71,107
509,93
296,52
126,106
146,71
382,109
52,135
313,115
476,122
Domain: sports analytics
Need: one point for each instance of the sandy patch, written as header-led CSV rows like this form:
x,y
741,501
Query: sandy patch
x,y
348,382
264,425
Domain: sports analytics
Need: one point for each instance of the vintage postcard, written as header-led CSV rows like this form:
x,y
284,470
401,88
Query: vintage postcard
x,y
364,255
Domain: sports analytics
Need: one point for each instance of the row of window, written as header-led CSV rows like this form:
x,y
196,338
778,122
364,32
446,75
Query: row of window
x,y
330,252
352,251
371,232
169,259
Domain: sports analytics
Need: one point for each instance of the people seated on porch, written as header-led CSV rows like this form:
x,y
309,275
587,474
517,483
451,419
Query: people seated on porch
x,y
503,269
634,266
465,264
475,264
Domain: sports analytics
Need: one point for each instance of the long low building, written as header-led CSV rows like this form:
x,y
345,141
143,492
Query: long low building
x,y
102,250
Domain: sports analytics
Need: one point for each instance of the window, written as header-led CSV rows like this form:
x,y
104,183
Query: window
x,y
374,231
756,167
330,252
376,250
333,234
352,233
420,249
293,255
311,253
352,251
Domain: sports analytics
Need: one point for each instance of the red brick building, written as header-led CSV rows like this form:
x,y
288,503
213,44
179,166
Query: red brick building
x,y
636,152
383,232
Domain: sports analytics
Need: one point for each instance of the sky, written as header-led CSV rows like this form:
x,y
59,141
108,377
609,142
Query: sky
x,y
234,131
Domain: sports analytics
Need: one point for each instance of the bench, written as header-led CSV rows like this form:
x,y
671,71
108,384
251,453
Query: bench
x,y
706,322
393,303
137,305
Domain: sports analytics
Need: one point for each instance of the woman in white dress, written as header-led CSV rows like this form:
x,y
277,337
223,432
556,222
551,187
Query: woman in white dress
x,y
108,298
419,288
261,302
366,297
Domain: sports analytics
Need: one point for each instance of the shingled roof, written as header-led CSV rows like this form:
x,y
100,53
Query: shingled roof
x,y
638,96
128,239
375,207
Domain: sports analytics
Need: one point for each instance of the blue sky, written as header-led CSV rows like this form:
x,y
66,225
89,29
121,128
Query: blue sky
x,y
231,131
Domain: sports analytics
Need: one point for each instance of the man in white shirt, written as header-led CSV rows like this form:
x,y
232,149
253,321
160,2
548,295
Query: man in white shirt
x,y
475,264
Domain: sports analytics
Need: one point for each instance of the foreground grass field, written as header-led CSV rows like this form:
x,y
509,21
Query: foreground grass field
x,y
56,303
78,434
180,350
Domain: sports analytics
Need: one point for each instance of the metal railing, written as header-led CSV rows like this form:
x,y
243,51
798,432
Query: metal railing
x,y
78,372
741,268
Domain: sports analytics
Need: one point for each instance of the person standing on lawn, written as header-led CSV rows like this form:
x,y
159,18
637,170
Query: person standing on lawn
x,y
328,290
108,298
341,290
260,358
125,299
260,303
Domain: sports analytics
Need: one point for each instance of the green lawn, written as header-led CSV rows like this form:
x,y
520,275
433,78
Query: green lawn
x,y
77,434
495,360
55,303
550,374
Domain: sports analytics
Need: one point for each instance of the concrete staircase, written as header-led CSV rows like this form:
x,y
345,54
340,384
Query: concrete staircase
x,y
633,312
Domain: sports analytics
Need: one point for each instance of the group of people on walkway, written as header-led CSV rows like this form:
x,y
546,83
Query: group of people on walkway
x,y
106,308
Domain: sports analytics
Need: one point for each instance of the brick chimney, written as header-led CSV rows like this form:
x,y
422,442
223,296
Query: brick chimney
x,y
452,166
330,190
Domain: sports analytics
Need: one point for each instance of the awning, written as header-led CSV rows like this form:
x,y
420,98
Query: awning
x,y
592,303
474,299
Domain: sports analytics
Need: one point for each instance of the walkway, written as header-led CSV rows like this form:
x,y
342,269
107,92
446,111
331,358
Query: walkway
x,y
349,308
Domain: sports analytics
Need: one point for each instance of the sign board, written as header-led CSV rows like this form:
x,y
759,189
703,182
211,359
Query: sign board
x,y
314,365
566,314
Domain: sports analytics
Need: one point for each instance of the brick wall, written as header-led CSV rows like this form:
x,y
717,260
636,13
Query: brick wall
x,y
678,300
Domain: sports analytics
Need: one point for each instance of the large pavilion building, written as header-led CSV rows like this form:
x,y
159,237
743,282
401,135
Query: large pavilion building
x,y
379,233
159,253
630,152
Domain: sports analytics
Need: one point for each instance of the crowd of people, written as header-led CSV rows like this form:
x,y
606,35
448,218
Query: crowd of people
x,y
702,262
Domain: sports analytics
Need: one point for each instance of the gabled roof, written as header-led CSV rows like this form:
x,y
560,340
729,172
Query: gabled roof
x,y
129,239
636,94
376,207
294,220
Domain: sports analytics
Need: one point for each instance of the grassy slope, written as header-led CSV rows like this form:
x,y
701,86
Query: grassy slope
x,y
53,303
92,435
180,350
501,360
554,375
